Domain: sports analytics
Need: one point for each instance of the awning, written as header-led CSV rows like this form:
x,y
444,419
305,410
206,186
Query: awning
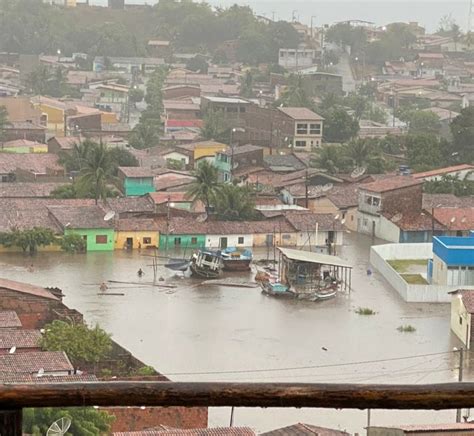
x,y
308,256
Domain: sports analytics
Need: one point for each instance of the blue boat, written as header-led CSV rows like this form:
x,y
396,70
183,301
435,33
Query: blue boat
x,y
235,259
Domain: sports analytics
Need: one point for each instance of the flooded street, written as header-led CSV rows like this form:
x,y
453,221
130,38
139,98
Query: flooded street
x,y
238,334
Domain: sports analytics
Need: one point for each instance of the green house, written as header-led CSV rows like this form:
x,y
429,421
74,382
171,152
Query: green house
x,y
135,181
181,241
91,222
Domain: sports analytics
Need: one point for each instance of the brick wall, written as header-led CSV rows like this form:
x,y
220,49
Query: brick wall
x,y
405,200
135,418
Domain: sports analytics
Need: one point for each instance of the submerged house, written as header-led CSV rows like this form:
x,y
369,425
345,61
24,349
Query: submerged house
x,y
136,233
135,181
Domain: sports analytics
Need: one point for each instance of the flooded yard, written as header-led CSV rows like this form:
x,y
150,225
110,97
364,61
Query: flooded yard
x,y
199,333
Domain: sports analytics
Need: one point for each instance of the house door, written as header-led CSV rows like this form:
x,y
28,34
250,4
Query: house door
x,y
84,237
129,244
269,240
223,243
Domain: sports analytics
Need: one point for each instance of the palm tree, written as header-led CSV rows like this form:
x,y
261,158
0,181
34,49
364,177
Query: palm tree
x,y
206,186
74,160
3,121
235,203
328,158
363,154
96,171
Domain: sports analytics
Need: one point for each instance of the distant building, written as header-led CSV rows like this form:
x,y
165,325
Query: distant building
x,y
301,429
307,128
116,4
451,429
296,58
159,48
462,309
234,158
317,83
136,181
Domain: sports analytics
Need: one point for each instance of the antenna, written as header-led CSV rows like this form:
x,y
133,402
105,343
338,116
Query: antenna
x,y
358,171
59,427
109,215
12,350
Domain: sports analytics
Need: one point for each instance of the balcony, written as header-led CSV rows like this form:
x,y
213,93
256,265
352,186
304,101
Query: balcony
x,y
14,397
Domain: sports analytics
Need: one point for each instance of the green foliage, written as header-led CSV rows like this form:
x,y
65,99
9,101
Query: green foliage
x,y
235,203
28,240
73,243
406,329
246,85
175,164
423,122
346,35
3,121
364,153
215,127
146,371
392,144
45,80
64,191
121,157
85,421
295,95
135,95
205,187
328,158
339,126
423,152
145,134
450,185
81,343
365,311
462,130
197,64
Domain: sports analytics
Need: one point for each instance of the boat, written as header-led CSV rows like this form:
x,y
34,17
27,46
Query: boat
x,y
276,289
206,264
178,264
236,260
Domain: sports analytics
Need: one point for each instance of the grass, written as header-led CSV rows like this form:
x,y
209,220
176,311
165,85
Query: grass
x,y
404,264
365,311
406,329
414,279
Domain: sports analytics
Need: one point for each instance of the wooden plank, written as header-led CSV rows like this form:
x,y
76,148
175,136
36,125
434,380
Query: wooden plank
x,y
344,396
10,422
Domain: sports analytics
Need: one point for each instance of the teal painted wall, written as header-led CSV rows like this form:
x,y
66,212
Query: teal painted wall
x,y
91,235
138,186
186,241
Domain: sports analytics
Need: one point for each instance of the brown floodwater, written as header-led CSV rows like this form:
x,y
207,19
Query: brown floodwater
x,y
239,334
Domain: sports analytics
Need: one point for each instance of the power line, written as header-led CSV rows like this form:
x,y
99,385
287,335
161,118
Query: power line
x,y
297,368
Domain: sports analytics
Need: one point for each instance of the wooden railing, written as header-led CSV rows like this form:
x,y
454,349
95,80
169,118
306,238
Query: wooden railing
x,y
341,396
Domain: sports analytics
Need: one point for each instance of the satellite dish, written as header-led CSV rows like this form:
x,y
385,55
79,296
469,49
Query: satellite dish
x,y
358,171
12,350
40,372
59,427
453,219
327,187
336,217
109,215
397,217
463,220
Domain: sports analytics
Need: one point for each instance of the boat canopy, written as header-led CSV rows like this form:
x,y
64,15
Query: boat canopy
x,y
310,257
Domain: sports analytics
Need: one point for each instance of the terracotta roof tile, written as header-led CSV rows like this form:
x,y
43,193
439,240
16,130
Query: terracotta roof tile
x,y
391,183
162,197
26,288
32,362
218,431
301,113
414,221
19,338
26,190
9,319
80,217
456,218
467,299
38,163
446,200
434,427
441,171
304,430
9,378
344,196
130,204
22,143
304,221
137,225
136,172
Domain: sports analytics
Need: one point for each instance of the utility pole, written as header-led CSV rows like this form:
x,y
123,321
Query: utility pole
x,y
460,377
167,224
306,189
368,419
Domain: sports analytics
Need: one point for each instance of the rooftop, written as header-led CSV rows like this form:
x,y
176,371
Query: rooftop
x,y
17,143
304,221
7,378
242,149
32,362
304,430
80,217
391,184
27,190
163,197
308,256
136,172
166,431
431,428
36,163
228,100
301,113
455,218
26,288
137,225
467,297
9,319
19,338
442,171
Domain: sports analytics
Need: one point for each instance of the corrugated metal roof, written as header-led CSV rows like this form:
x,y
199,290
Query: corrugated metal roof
x,y
308,256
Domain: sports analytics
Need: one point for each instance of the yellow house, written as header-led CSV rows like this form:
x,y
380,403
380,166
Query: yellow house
x,y
23,146
136,234
55,111
108,118
203,149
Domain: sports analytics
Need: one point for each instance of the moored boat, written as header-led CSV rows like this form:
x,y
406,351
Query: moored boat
x,y
206,264
178,264
236,260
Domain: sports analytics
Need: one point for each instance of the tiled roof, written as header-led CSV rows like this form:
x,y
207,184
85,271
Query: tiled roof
x,y
136,172
19,338
442,171
66,142
468,299
185,123
455,218
242,149
304,430
37,163
22,143
80,217
307,221
26,288
8,378
414,221
9,319
299,191
27,190
344,196
24,125
137,225
301,113
130,204
162,197
200,144
20,109
446,200
286,160
167,181
218,431
391,183
32,362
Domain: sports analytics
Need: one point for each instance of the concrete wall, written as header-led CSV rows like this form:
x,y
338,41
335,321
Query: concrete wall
x,y
90,236
213,241
379,254
387,230
138,186
460,320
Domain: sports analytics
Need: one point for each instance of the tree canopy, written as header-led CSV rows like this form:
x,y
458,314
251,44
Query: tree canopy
x,y
462,130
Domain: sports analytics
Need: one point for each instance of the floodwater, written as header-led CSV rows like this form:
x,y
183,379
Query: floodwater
x,y
197,333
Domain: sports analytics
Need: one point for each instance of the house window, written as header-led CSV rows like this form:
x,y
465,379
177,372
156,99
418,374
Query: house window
x,y
300,143
147,240
302,129
286,237
194,241
177,242
226,177
101,239
240,240
315,129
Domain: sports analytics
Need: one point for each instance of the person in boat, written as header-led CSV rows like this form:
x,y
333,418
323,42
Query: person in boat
x,y
103,287
140,273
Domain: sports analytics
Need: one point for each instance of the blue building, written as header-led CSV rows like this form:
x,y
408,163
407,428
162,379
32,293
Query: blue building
x,y
453,261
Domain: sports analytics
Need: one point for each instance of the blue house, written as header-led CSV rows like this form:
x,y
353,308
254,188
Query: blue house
x,y
453,261
136,181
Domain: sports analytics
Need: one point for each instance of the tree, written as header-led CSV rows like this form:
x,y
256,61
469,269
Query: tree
x,y
135,95
121,157
3,122
462,130
246,85
73,243
364,153
215,127
451,185
145,134
198,64
423,152
423,122
28,240
74,160
83,345
96,172
339,126
328,158
64,191
85,421
205,187
235,203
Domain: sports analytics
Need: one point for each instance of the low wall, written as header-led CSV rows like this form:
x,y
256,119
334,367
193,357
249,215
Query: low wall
x,y
380,254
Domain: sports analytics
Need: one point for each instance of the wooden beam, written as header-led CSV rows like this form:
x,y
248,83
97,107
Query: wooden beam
x,y
344,396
